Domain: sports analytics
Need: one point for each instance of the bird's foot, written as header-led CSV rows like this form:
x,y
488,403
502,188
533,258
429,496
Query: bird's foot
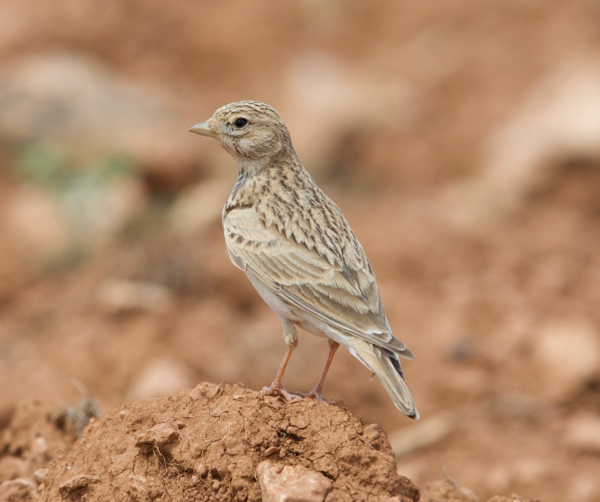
x,y
315,394
280,390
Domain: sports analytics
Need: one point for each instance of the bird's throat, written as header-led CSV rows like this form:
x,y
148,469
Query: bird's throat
x,y
248,168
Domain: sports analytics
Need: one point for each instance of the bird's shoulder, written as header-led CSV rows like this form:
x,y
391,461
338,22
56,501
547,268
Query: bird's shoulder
x,y
309,218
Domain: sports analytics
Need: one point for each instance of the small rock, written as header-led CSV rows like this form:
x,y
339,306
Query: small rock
x,y
121,295
66,96
205,390
271,450
499,479
424,433
530,471
202,470
158,378
280,483
447,489
569,356
583,432
585,487
158,436
78,483
40,474
561,116
39,447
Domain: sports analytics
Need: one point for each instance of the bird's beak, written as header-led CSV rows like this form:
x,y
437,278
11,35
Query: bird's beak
x,y
204,129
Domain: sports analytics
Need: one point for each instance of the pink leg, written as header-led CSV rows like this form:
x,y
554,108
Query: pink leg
x,y
317,392
276,387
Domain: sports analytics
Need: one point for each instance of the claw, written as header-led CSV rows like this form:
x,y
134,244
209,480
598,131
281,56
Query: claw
x,y
280,390
313,394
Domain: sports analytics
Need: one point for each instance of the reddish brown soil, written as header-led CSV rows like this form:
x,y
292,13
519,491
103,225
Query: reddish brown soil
x,y
204,444
393,107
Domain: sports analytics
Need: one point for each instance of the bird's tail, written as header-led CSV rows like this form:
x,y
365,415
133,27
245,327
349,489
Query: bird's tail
x,y
387,368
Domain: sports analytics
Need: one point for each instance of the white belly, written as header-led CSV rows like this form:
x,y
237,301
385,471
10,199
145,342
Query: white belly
x,y
303,319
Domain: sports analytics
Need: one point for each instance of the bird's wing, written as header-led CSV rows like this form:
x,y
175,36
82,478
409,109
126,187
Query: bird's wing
x,y
323,284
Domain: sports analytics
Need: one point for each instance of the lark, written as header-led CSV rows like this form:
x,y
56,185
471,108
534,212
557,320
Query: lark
x,y
299,251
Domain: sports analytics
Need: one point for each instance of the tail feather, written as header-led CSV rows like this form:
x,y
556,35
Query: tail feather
x,y
387,368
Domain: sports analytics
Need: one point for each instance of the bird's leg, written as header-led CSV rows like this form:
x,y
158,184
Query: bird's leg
x,y
291,339
317,392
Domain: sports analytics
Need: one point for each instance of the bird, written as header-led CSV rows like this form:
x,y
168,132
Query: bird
x,y
299,251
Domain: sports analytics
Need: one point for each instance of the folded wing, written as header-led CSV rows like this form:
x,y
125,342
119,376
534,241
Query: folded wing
x,y
341,292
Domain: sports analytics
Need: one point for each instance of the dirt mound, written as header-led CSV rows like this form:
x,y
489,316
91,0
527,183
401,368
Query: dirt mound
x,y
208,443
215,442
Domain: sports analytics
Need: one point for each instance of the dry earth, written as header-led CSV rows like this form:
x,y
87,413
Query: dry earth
x,y
215,442
459,138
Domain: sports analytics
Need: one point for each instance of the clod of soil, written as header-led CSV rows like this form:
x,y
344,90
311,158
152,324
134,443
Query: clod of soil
x,y
226,442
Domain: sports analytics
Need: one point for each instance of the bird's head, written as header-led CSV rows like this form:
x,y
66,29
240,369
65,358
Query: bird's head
x,y
249,130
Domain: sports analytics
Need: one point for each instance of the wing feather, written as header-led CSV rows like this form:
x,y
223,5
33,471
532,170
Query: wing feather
x,y
343,295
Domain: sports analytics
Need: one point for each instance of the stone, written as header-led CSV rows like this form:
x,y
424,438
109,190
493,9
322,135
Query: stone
x,y
66,96
280,483
568,355
559,117
425,433
122,295
585,487
79,483
159,377
582,432
40,474
156,437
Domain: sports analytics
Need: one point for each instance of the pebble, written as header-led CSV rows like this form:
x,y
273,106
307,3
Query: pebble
x,y
291,483
569,356
160,377
582,432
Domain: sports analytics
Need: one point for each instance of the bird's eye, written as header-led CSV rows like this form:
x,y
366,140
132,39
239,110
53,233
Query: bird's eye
x,y
241,122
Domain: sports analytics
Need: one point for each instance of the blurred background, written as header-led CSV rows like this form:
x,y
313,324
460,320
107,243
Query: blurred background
x,y
461,139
